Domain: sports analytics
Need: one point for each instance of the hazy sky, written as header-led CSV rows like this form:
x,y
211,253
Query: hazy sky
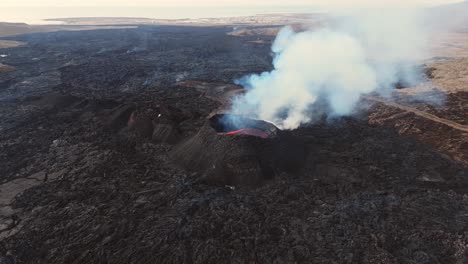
x,y
219,2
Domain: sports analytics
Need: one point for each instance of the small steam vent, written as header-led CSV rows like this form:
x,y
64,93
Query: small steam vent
x,y
239,151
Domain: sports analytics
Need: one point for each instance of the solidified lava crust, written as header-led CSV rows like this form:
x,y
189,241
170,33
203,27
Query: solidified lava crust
x,y
79,183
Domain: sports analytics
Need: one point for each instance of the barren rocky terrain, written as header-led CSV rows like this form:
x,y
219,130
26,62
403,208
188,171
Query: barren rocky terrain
x,y
90,120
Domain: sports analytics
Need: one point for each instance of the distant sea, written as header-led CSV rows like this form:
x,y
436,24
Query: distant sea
x,y
36,15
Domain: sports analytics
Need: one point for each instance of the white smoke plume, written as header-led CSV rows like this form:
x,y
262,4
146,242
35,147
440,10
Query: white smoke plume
x,y
356,54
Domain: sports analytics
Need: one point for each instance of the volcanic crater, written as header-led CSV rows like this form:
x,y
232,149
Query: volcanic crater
x,y
235,150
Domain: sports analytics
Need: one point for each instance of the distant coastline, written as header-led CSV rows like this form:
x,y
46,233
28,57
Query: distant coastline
x,y
47,15
92,23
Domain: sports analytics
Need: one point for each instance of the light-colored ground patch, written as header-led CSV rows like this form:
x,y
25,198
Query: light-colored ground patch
x,y
449,44
10,43
6,68
266,31
9,190
451,75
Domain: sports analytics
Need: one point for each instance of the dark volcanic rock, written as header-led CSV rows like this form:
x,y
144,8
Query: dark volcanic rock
x,y
164,133
120,117
365,194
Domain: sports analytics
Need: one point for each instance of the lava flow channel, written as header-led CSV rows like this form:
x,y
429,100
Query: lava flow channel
x,y
248,132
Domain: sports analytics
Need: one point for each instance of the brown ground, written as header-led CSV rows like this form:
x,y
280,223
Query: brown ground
x,y
6,68
438,118
10,43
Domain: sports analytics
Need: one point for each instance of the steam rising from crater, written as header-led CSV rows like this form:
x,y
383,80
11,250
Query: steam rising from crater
x,y
356,54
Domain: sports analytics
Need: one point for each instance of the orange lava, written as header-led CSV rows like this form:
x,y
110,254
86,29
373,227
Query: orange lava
x,y
247,131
